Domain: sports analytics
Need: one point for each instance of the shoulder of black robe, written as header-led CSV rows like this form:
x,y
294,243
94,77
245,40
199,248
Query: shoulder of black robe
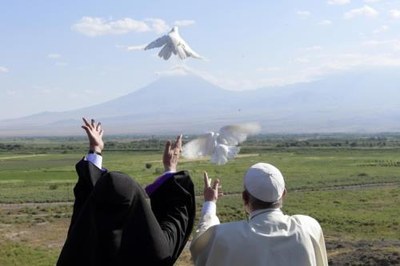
x,y
158,236
174,206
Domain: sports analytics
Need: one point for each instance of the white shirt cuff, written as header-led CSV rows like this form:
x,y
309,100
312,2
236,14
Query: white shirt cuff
x,y
95,159
169,172
209,207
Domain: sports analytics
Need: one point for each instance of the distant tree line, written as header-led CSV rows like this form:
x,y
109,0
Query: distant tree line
x,y
156,143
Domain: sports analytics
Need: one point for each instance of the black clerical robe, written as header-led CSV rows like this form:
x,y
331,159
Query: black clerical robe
x,y
114,224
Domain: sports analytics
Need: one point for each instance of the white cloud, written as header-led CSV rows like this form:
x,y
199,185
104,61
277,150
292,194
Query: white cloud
x,y
338,2
158,25
386,45
54,56
314,67
371,1
325,65
382,29
365,11
322,65
325,22
330,64
134,47
395,13
3,69
95,26
184,23
303,13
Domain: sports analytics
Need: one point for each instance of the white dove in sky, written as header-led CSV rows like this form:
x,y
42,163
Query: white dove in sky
x,y
173,43
221,146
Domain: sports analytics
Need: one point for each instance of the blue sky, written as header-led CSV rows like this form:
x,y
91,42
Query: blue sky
x,y
63,55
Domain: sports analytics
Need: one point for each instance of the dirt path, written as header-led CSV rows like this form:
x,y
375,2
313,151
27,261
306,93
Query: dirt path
x,y
21,156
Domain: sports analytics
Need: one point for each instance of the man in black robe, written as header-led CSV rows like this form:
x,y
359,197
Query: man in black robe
x,y
112,221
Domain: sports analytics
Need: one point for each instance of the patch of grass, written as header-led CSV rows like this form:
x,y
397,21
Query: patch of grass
x,y
20,254
365,213
343,188
34,214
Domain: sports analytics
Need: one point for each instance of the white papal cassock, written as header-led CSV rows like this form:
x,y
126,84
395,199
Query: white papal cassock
x,y
269,237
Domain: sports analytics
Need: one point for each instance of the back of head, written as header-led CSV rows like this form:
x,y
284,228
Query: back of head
x,y
264,182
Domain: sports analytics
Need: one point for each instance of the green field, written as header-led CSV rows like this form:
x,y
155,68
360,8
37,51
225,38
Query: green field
x,y
348,183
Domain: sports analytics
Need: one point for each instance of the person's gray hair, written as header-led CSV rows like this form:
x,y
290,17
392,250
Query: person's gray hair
x,y
257,204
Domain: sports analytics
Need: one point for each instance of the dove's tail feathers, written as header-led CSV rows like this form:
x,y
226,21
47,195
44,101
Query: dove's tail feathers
x,y
191,53
218,160
224,153
197,56
233,152
181,52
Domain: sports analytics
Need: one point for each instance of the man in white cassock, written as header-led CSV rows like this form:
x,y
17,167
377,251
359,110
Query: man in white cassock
x,y
267,237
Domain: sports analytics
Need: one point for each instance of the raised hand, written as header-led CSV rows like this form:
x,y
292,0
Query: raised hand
x,y
211,189
95,135
171,155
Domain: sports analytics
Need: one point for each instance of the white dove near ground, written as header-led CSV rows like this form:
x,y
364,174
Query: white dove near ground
x,y
221,146
172,43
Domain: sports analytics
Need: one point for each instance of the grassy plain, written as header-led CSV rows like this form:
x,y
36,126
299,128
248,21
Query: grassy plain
x,y
348,183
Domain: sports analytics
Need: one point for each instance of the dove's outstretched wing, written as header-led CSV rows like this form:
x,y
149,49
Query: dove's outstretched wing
x,y
234,134
158,42
199,147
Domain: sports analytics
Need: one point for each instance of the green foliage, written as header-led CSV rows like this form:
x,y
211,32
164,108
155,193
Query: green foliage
x,y
24,255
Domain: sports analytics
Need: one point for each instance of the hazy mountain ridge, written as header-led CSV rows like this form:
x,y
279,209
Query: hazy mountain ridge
x,y
350,102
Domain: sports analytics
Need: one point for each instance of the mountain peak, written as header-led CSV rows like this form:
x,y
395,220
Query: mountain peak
x,y
182,101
